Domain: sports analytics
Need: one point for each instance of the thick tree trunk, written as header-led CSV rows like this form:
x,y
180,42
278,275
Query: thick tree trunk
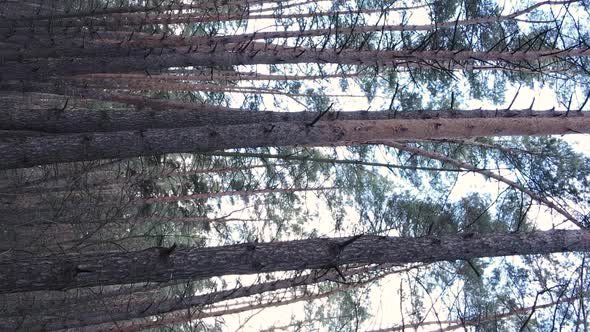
x,y
31,151
162,264
91,120
43,69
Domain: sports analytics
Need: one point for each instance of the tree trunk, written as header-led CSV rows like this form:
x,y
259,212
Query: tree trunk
x,y
31,151
163,264
246,192
142,19
304,158
212,75
92,120
41,70
100,11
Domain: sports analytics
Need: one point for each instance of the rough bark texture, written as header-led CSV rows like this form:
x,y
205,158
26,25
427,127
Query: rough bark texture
x,y
41,70
31,151
91,120
159,264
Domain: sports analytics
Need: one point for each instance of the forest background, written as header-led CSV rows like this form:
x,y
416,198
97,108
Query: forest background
x,y
293,165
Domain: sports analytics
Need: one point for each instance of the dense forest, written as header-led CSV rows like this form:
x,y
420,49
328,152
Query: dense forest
x,y
294,165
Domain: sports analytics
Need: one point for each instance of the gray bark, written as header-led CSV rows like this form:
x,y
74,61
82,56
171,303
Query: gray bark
x,y
42,69
91,120
30,151
158,265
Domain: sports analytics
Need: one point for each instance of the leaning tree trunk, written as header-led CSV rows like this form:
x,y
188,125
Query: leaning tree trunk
x,y
166,264
31,151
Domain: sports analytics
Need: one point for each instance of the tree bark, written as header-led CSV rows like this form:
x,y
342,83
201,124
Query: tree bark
x,y
183,57
31,151
100,11
212,75
246,192
308,158
144,18
161,264
90,120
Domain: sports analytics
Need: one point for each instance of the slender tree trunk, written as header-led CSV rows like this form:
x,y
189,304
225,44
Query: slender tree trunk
x,y
220,75
68,303
163,264
120,20
170,199
181,316
303,158
457,324
31,151
136,100
100,11
122,181
213,75
374,28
